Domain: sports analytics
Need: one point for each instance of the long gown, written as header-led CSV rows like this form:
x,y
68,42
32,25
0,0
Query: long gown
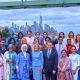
x,y
75,60
66,75
1,68
37,64
9,69
23,64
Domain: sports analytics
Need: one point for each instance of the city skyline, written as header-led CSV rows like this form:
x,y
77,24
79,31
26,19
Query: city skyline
x,y
60,18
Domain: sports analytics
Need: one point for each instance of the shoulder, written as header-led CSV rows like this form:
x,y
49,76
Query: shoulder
x,y
6,52
70,55
20,53
27,53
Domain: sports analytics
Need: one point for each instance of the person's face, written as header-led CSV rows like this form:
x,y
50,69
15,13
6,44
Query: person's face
x,y
49,45
11,35
68,41
60,40
47,40
73,50
37,35
36,41
45,35
2,43
78,38
62,35
36,47
10,49
29,34
20,35
12,41
24,41
71,35
64,54
24,48
53,35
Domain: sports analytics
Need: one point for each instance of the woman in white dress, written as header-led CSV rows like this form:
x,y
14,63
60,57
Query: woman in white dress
x,y
75,60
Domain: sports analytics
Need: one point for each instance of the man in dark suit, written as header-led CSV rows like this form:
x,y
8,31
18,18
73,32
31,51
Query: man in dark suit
x,y
50,62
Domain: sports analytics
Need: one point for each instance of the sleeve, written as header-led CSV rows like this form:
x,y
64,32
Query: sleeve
x,y
42,60
28,63
68,65
15,56
7,39
59,67
56,61
4,59
79,60
17,60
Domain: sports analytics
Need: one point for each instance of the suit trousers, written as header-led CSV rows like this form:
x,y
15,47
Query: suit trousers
x,y
50,76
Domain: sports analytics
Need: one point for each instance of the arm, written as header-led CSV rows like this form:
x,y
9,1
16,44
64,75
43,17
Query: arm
x,y
68,65
17,62
59,67
56,61
41,60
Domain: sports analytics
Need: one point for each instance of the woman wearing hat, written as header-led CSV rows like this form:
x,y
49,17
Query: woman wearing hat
x,y
23,64
9,61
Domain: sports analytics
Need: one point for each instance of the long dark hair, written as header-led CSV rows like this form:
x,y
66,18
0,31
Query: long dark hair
x,y
13,40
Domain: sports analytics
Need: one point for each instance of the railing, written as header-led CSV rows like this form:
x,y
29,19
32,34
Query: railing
x,y
12,4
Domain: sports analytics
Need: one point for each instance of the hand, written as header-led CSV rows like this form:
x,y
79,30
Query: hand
x,y
73,71
1,65
10,61
53,72
40,70
63,70
17,69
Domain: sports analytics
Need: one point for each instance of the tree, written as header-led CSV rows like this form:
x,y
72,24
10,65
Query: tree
x,y
5,32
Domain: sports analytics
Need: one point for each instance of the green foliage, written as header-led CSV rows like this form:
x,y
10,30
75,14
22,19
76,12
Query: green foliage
x,y
5,32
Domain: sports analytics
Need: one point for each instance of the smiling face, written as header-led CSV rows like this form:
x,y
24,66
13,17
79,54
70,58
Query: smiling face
x,y
73,49
2,43
64,54
10,49
49,45
36,47
45,34
29,34
24,49
37,35
71,35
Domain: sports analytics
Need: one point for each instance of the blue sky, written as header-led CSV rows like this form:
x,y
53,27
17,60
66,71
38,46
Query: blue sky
x,y
61,18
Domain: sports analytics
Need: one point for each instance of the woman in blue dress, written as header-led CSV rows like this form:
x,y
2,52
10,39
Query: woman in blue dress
x,y
23,64
37,62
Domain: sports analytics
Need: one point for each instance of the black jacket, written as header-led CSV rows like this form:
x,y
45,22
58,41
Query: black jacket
x,y
50,63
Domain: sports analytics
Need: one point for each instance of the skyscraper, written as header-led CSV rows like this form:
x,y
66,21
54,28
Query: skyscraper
x,y
41,25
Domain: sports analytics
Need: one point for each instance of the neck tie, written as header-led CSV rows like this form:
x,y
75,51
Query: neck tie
x,y
48,54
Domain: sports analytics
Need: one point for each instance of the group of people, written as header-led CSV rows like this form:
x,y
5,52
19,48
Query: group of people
x,y
40,57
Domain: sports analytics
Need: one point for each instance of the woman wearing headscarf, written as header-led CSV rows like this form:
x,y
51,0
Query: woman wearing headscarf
x,y
9,61
23,64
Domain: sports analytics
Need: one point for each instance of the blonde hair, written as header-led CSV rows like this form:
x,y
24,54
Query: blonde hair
x,y
24,41
39,47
